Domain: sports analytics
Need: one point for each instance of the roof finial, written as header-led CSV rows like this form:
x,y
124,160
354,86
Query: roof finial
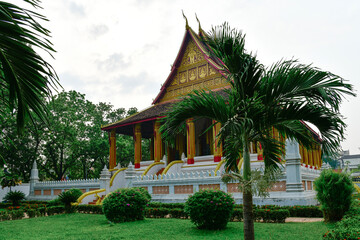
x,y
187,25
200,29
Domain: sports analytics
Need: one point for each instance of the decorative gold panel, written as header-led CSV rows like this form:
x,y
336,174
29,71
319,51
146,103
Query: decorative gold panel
x,y
192,54
194,73
202,71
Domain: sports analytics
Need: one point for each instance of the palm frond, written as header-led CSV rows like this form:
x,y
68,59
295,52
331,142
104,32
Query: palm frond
x,y
26,75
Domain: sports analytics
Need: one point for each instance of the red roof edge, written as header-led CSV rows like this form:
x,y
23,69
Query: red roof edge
x,y
312,131
131,123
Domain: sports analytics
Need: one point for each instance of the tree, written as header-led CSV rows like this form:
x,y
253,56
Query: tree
x,y
25,77
282,96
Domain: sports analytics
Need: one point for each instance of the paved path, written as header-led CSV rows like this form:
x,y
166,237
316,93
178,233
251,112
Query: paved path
x,y
295,219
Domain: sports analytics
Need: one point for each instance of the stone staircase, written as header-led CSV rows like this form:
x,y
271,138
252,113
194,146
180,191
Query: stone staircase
x,y
160,171
95,200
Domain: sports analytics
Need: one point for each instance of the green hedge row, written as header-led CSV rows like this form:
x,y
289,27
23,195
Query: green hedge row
x,y
87,208
165,205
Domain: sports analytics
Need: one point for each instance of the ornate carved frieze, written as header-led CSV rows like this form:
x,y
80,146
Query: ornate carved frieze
x,y
194,73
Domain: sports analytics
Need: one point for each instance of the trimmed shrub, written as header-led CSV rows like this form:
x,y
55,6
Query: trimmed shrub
x,y
55,210
15,197
334,192
144,192
17,214
31,213
68,197
41,211
178,213
157,212
348,228
166,205
5,205
124,205
305,211
88,208
55,202
4,215
237,215
210,209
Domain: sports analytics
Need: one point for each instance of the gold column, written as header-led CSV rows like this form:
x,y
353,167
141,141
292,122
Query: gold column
x,y
112,160
190,132
137,144
217,148
306,156
157,142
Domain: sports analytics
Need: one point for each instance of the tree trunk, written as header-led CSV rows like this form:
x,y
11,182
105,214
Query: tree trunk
x,y
247,195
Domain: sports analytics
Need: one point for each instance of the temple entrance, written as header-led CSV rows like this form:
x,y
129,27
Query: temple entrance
x,y
203,138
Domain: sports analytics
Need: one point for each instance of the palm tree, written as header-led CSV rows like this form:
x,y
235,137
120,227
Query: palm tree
x,y
25,77
282,96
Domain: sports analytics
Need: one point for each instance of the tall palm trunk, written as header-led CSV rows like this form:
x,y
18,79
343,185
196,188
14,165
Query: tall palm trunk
x,y
247,196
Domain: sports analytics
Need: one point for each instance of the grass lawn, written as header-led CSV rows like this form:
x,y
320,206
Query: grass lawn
x,y
91,226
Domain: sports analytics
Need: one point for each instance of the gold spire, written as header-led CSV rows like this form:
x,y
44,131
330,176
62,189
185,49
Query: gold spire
x,y
187,25
200,29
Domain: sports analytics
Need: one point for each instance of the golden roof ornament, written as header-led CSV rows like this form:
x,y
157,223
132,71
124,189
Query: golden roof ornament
x,y
200,29
187,25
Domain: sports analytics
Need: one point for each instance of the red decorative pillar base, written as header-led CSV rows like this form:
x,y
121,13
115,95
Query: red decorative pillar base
x,y
137,165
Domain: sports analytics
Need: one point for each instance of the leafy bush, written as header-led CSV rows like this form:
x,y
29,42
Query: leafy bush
x,y
55,210
210,209
42,211
124,205
55,202
31,213
5,205
166,205
17,214
157,212
15,197
305,211
4,215
237,214
68,197
144,192
271,215
88,208
334,192
348,228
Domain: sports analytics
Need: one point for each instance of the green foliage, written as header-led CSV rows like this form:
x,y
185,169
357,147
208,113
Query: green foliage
x,y
88,208
166,205
25,77
55,202
348,228
305,211
31,213
72,142
334,192
124,205
144,192
237,215
270,215
15,197
16,214
56,210
68,197
4,215
210,209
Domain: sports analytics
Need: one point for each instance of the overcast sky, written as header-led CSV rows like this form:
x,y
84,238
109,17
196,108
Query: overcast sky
x,y
121,51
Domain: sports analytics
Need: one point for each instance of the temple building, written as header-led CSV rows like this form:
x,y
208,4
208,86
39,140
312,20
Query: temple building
x,y
196,161
192,69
